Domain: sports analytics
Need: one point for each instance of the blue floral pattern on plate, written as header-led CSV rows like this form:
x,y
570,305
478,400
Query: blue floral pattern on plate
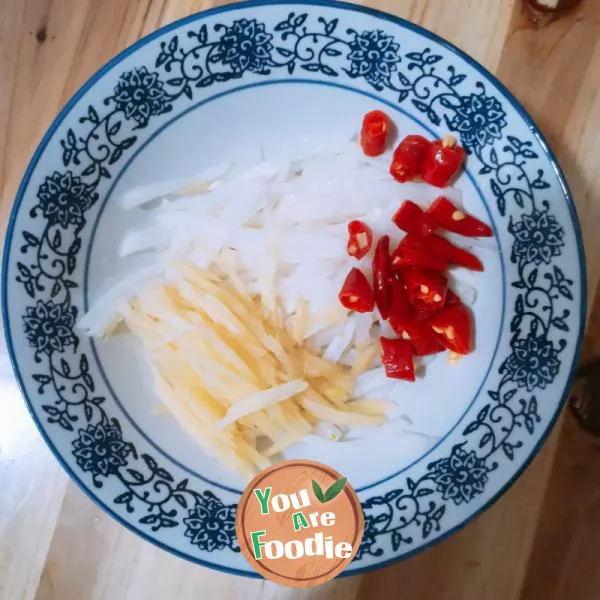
x,y
210,525
197,56
374,56
245,46
140,95
479,120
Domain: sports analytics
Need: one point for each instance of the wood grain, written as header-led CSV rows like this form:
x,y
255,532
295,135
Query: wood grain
x,y
563,99
55,544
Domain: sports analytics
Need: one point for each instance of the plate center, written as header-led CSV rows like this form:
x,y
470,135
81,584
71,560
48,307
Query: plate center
x,y
225,129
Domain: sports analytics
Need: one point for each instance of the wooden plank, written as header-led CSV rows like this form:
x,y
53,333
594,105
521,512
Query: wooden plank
x,y
32,485
564,560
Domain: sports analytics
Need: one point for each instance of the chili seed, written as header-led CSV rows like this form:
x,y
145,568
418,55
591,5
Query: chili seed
x,y
448,141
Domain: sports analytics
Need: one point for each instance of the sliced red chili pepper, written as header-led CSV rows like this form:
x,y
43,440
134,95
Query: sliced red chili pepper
x,y
424,314
443,162
397,359
423,339
412,251
408,158
426,289
360,239
412,219
442,248
451,217
454,326
400,310
374,133
357,293
381,276
452,298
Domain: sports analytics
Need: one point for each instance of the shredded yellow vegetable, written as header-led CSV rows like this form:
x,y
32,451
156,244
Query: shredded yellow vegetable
x,y
231,372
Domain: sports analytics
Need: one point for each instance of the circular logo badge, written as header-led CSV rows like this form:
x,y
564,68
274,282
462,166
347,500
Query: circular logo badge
x,y
299,523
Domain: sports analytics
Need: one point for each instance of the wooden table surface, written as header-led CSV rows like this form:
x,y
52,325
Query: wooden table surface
x,y
538,541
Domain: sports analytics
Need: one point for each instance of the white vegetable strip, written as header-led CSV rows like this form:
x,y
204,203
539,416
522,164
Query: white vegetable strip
x,y
105,311
370,382
363,323
329,432
139,240
339,344
146,193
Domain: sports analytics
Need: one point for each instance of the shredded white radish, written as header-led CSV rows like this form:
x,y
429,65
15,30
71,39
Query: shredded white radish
x,y
339,344
329,432
105,312
239,315
370,382
147,193
363,322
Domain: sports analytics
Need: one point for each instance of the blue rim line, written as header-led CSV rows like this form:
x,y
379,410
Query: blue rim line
x,y
402,23
126,166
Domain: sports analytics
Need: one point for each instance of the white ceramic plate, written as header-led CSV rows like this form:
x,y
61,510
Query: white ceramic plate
x,y
206,89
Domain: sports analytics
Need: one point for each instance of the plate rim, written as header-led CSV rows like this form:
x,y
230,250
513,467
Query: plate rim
x,y
345,6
